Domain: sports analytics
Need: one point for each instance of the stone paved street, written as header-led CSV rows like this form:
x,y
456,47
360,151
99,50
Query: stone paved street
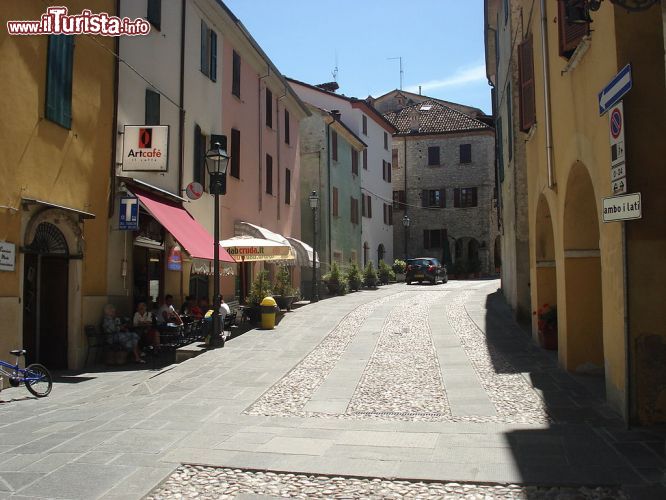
x,y
406,391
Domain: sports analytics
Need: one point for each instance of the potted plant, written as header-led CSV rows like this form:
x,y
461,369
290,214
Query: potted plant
x,y
354,278
343,287
284,292
332,279
399,268
261,287
370,276
547,324
384,273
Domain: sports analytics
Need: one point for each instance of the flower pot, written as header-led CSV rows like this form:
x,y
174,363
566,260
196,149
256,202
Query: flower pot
x,y
355,285
284,301
548,338
333,287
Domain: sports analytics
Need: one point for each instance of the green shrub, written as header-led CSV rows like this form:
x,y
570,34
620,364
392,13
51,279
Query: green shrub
x,y
261,287
384,273
333,275
399,266
343,287
354,278
283,284
370,276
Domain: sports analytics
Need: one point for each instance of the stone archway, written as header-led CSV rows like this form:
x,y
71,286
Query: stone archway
x,y
582,267
546,268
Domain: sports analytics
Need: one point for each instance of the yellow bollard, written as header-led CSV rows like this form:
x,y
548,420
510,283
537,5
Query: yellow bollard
x,y
268,311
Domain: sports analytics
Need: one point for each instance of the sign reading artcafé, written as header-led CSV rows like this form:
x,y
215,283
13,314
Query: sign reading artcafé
x,y
145,147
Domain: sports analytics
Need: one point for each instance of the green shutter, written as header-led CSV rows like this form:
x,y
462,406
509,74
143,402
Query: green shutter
x,y
213,55
59,68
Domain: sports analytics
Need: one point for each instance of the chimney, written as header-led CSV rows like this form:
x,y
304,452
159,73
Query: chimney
x,y
329,86
419,90
335,113
414,120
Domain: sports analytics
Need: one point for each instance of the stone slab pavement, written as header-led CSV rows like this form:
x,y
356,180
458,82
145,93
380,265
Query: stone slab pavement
x,y
119,434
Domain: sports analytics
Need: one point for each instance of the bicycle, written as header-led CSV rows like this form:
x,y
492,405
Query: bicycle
x,y
36,377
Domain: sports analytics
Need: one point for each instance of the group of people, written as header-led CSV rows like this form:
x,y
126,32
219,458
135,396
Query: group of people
x,y
144,327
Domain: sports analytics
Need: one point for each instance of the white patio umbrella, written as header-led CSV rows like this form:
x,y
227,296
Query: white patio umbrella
x,y
249,249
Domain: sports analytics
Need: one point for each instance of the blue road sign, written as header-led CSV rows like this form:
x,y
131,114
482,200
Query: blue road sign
x,y
128,214
613,92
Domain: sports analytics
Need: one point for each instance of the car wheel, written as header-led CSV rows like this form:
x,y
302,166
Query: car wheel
x,y
408,282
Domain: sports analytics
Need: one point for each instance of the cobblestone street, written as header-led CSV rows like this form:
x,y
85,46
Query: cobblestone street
x,y
406,391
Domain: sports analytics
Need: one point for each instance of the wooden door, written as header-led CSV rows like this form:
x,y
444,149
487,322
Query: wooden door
x,y
53,330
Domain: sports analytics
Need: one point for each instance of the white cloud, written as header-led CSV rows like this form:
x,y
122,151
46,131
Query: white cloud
x,y
474,74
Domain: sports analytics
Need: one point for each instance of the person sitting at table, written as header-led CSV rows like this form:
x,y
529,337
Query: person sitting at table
x,y
118,334
167,314
143,320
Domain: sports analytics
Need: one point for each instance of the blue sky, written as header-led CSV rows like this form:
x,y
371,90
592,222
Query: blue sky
x,y
440,41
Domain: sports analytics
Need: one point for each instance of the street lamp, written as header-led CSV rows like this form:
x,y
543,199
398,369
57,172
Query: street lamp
x,y
314,204
216,161
405,224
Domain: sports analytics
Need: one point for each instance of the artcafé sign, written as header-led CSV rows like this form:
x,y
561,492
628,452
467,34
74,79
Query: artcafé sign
x,y
145,148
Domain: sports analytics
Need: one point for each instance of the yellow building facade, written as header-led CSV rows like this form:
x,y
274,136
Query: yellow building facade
x,y
606,279
55,164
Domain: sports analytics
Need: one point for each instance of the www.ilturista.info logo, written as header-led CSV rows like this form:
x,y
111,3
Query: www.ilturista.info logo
x,y
145,147
57,21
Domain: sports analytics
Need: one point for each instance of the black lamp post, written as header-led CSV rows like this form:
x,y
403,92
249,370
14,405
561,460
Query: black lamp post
x,y
217,161
314,204
405,224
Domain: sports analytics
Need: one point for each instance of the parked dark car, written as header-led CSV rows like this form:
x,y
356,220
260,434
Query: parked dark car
x,y
425,269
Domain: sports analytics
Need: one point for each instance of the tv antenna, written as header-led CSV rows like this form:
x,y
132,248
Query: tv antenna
x,y
401,71
335,70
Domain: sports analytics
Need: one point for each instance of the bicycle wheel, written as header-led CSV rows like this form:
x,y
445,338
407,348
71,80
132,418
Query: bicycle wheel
x,y
40,382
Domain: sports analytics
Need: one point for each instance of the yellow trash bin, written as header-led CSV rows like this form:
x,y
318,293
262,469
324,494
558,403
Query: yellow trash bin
x,y
268,310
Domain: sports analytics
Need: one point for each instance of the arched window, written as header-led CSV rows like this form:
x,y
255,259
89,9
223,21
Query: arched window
x,y
380,253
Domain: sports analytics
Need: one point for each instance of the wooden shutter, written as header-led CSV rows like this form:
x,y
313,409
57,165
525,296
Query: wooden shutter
x,y
456,197
433,155
365,125
354,158
384,170
287,185
287,134
369,207
335,201
526,78
390,214
365,159
152,111
570,33
236,76
235,153
269,108
425,198
59,68
334,146
465,153
426,238
442,196
269,174
363,210
213,56
204,48
388,171
475,198
154,13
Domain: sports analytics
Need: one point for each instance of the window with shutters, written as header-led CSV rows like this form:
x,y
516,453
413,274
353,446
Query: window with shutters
x,y
526,78
59,69
368,206
208,51
399,200
269,174
385,141
287,186
465,197
235,153
365,159
385,213
269,108
434,238
152,111
388,172
384,169
354,210
570,33
154,13
433,156
287,129
433,198
198,165
390,214
334,146
394,158
364,213
354,161
365,125
236,75
465,153
335,202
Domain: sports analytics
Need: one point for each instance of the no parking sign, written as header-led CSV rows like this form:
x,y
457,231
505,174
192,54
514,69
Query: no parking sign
x,y
618,166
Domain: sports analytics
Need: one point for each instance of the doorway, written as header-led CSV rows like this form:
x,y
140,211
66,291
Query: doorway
x,y
45,298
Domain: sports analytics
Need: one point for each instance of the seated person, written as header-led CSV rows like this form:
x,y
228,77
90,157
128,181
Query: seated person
x,y
167,314
117,333
143,320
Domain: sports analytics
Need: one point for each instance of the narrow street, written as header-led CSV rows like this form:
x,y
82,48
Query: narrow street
x,y
364,395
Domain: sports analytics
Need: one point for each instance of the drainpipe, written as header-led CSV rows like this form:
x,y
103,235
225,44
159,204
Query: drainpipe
x,y
330,191
261,135
181,117
277,109
114,127
546,95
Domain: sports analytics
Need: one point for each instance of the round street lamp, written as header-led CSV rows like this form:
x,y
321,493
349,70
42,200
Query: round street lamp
x,y
314,204
405,223
216,161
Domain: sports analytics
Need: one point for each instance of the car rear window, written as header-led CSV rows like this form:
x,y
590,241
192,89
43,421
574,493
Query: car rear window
x,y
419,262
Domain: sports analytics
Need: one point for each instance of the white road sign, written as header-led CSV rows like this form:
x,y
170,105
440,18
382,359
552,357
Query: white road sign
x,y
618,172
625,207
619,186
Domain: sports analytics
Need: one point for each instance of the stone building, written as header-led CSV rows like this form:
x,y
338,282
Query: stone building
x,y
443,183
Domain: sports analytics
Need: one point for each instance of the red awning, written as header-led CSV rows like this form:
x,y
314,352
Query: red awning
x,y
188,232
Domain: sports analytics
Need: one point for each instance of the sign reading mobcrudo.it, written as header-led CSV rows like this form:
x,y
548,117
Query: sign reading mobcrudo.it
x,y
625,207
145,148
